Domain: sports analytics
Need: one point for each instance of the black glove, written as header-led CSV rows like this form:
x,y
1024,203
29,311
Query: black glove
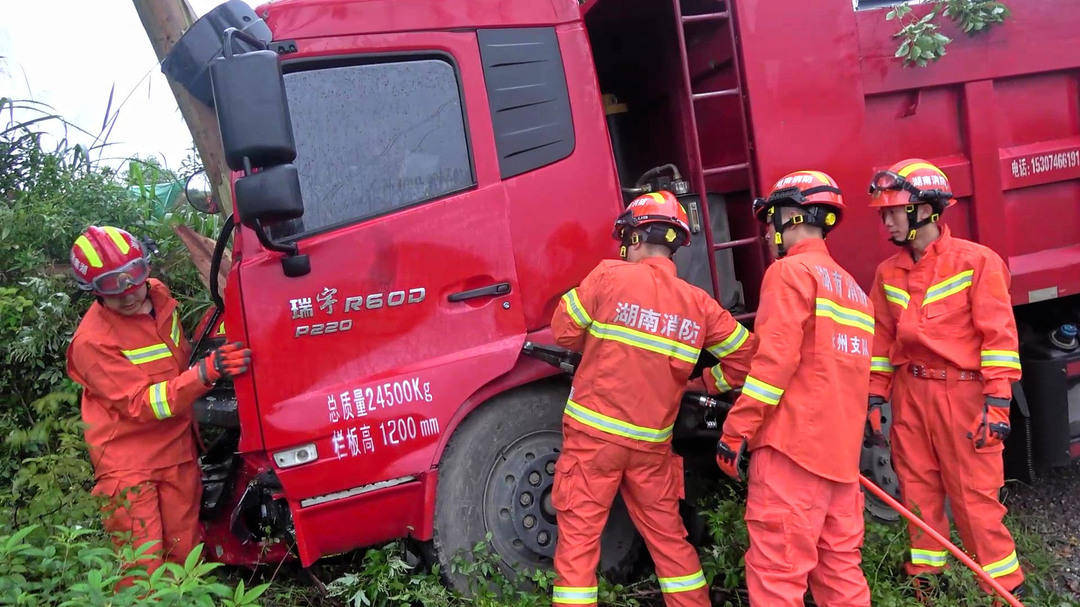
x,y
732,458
991,426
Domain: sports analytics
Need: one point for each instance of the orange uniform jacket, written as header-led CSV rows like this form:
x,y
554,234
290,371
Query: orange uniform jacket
x,y
138,390
641,329
806,392
951,309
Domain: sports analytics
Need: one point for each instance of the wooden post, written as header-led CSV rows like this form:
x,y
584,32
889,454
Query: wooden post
x,y
165,21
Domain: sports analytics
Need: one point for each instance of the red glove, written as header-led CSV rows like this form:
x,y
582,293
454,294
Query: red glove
x,y
731,456
874,434
229,360
991,426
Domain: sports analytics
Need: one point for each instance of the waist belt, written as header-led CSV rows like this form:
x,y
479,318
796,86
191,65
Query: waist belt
x,y
930,373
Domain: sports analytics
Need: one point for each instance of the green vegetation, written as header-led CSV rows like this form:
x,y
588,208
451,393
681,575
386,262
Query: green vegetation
x,y
51,543
921,38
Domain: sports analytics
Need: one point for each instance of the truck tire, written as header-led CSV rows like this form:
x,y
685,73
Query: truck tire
x,y
495,478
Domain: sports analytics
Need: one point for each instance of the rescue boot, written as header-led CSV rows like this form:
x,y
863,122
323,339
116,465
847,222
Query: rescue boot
x,y
1019,592
926,587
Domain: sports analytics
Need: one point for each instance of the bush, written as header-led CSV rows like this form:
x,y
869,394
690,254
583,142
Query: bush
x,y
51,543
47,198
68,567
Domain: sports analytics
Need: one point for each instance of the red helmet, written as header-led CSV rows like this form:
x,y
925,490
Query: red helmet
x,y
804,189
652,213
108,261
911,181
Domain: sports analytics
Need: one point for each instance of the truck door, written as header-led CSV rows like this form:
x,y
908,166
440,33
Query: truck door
x,y
412,301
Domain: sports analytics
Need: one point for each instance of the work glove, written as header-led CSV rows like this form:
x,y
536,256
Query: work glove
x,y
991,427
731,456
229,360
874,433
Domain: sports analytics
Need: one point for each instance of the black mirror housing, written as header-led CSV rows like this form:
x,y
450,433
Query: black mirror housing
x,y
189,60
270,195
257,137
252,111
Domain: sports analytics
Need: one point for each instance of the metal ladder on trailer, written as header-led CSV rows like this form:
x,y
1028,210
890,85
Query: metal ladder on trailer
x,y
699,172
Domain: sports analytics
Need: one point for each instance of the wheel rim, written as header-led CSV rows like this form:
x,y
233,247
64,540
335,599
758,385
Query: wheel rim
x,y
517,500
876,465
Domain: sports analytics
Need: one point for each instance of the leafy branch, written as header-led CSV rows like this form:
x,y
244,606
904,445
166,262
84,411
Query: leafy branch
x,y
921,38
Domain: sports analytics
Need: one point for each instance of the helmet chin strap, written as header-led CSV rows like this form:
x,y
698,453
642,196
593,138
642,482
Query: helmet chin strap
x,y
779,225
629,239
653,234
914,223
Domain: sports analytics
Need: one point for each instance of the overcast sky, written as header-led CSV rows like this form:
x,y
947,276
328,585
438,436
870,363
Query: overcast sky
x,y
69,53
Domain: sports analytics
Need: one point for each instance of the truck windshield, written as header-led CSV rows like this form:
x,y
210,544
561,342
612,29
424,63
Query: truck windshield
x,y
375,137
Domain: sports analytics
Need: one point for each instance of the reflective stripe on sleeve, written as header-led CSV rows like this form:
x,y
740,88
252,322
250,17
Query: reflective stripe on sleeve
x,y
573,595
147,354
896,295
881,364
576,309
159,400
669,585
766,393
1005,566
845,316
610,425
1000,358
933,558
731,343
175,333
645,341
719,380
951,285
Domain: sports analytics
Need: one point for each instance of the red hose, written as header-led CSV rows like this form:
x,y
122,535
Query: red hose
x,y
918,522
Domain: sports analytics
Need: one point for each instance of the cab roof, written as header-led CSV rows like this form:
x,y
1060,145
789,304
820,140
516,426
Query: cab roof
x,y
296,19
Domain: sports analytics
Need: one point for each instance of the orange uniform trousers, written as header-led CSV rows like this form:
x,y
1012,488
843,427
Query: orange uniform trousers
x,y
589,473
159,506
934,458
803,528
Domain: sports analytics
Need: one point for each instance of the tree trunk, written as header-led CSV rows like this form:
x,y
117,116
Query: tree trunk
x,y
165,21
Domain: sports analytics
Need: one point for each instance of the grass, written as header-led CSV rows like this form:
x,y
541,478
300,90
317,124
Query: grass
x,y
391,575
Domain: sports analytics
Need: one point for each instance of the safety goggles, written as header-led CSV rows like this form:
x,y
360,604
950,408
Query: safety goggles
x,y
131,274
884,181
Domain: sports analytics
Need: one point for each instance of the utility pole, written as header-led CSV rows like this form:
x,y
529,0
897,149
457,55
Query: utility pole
x,y
165,21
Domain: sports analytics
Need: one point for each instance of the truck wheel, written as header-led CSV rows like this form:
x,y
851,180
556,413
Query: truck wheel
x,y
875,463
495,478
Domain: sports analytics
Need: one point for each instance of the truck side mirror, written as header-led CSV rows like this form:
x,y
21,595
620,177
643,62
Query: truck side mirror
x,y
200,193
252,111
256,133
268,196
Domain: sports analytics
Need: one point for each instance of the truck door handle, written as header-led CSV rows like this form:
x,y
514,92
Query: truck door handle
x,y
500,288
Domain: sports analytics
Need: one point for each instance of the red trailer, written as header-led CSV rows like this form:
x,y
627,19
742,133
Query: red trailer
x,y
460,163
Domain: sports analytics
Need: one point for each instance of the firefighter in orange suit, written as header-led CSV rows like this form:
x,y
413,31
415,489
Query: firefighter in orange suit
x,y
130,355
640,330
945,353
802,408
